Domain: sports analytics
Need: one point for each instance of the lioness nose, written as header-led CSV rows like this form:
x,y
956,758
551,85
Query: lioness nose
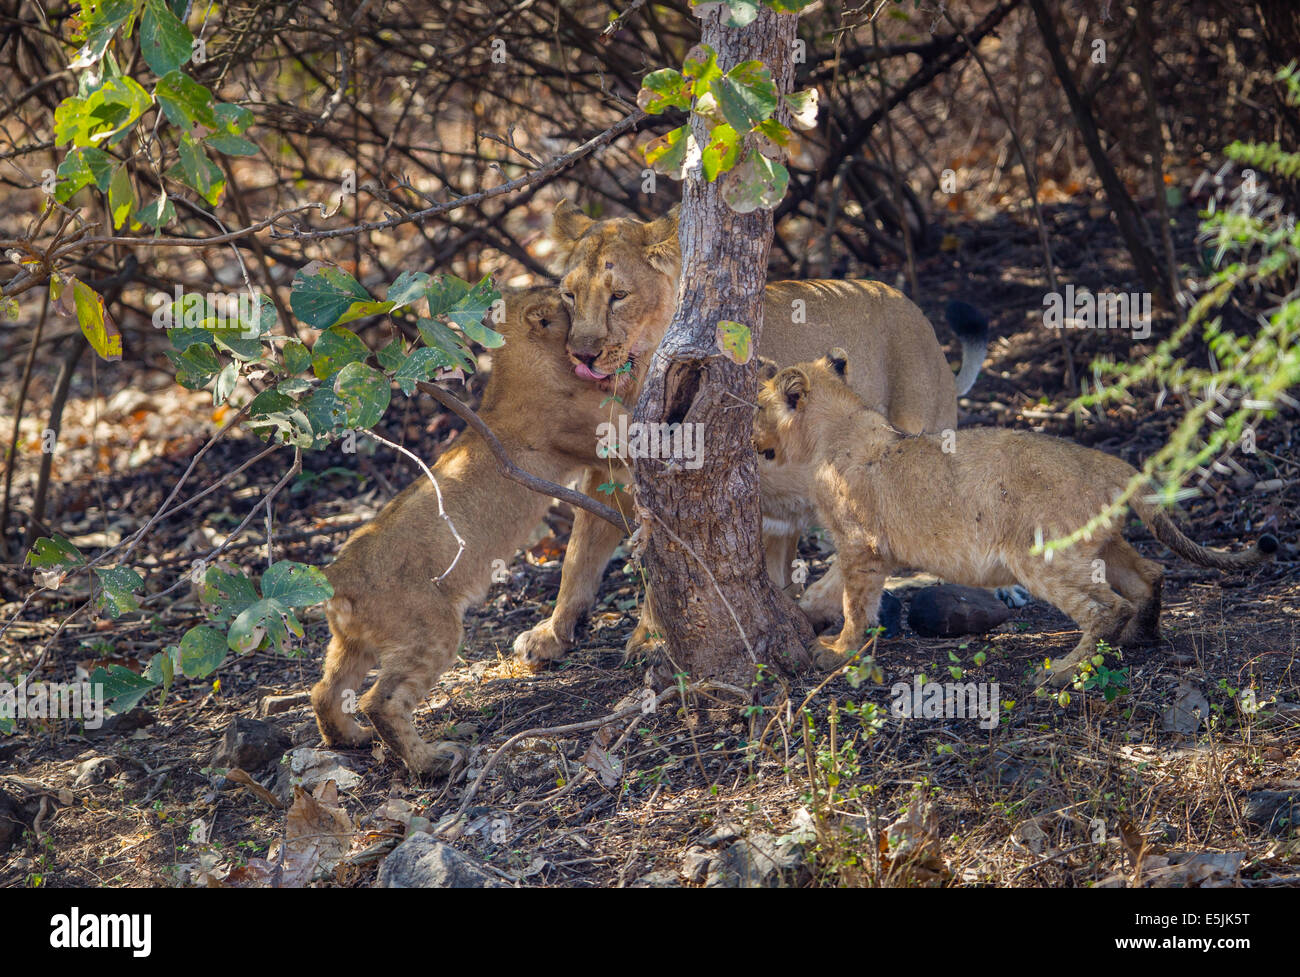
x,y
587,358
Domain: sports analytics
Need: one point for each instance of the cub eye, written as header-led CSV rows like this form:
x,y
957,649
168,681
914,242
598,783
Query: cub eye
x,y
568,297
618,296
544,322
770,454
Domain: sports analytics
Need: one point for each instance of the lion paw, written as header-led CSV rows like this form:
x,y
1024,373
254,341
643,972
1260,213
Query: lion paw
x,y
437,760
1014,596
541,644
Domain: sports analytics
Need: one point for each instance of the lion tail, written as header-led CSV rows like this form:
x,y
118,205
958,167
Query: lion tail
x,y
1163,528
972,330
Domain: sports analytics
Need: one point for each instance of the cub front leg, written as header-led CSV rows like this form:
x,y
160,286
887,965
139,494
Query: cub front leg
x,y
591,544
863,573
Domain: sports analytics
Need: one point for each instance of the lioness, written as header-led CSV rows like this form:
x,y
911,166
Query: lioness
x,y
388,608
970,513
620,281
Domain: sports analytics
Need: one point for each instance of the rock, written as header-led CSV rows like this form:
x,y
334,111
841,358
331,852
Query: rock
x,y
423,862
657,880
950,610
723,832
273,705
1276,811
760,861
308,768
93,771
250,744
120,724
1186,713
695,865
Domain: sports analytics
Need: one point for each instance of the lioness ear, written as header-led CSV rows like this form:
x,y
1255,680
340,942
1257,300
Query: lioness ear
x,y
767,369
839,362
792,384
662,249
568,224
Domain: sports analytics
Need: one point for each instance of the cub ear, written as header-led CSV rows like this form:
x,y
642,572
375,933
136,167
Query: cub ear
x,y
792,384
767,369
568,224
838,360
545,314
662,249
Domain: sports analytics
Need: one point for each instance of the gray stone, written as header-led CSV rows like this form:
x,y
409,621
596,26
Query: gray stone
x,y
423,862
1276,811
695,865
657,880
760,861
93,771
273,705
250,744
950,610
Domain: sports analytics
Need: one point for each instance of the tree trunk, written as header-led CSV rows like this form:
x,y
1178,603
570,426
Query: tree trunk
x,y
711,595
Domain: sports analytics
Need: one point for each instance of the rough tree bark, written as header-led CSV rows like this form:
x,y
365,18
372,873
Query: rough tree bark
x,y
714,604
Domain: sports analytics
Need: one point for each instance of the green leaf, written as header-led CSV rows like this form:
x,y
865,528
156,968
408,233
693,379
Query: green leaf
x,y
186,103
469,311
364,393
321,299
734,340
47,553
225,385
162,667
203,649
296,356
393,355
95,323
740,13
103,115
746,95
118,596
165,43
196,366
722,151
756,182
275,410
335,348
99,22
325,412
663,90
423,364
789,6
159,212
122,688
408,289
439,336
80,168
227,594
444,292
243,327
121,196
673,153
701,64
232,120
196,170
296,584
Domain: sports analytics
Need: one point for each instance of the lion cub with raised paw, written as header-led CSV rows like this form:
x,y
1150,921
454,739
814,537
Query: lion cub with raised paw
x,y
389,609
968,510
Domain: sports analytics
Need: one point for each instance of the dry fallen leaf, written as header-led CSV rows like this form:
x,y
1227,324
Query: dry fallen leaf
x,y
318,834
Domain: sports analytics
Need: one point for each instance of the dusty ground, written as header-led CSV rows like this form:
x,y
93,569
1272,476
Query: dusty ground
x,y
1058,794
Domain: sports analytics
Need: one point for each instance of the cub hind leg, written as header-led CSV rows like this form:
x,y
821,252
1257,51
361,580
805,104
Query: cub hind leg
x,y
347,661
1139,580
1067,582
407,671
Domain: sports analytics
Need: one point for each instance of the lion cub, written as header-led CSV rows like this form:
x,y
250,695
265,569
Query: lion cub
x,y
970,513
388,609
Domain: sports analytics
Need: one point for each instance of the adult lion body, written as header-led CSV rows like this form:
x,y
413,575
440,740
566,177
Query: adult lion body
x,y
388,609
620,280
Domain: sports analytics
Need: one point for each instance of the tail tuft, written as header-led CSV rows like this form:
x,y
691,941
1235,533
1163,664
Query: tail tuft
x,y
972,330
1267,543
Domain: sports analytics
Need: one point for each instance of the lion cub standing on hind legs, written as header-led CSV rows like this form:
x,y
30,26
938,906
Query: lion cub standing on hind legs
x,y
388,608
971,514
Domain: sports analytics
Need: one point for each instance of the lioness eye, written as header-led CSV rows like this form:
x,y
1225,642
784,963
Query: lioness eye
x,y
568,297
769,454
619,296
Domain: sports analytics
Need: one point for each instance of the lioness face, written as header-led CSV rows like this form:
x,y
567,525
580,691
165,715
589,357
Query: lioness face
x,y
619,282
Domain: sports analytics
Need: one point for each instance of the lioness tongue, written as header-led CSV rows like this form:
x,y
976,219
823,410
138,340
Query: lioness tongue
x,y
587,373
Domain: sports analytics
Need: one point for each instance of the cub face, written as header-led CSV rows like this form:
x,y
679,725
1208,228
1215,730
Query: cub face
x,y
781,428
